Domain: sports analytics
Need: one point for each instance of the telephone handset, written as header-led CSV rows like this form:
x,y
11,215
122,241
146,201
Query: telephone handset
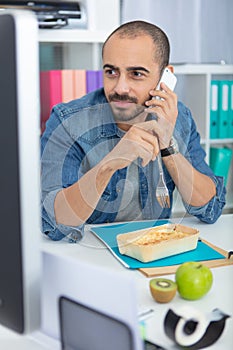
x,y
168,78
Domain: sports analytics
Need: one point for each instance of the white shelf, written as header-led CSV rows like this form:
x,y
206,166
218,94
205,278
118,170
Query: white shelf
x,y
203,69
220,141
193,88
71,36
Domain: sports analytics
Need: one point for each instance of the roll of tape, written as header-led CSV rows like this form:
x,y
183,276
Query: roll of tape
x,y
191,326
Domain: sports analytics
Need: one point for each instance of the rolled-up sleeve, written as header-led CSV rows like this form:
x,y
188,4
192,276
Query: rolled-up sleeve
x,y
54,230
210,212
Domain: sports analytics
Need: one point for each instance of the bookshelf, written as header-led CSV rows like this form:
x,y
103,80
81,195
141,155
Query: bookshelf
x,y
67,48
73,48
193,88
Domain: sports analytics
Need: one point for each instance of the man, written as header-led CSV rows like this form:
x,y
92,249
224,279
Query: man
x,y
99,153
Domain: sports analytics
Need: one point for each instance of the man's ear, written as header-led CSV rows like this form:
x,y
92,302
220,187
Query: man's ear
x,y
171,68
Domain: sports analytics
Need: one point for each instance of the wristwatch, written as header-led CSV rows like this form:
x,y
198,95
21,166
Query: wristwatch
x,y
172,149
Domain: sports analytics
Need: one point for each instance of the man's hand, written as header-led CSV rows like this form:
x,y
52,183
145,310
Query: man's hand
x,y
138,142
164,105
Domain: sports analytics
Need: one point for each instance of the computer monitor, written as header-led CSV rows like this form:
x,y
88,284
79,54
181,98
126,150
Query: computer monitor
x,y
83,327
19,175
106,290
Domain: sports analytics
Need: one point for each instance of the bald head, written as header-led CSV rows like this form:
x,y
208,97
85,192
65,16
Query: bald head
x,y
134,29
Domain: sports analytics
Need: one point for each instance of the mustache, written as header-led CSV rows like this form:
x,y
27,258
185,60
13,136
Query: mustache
x,y
124,97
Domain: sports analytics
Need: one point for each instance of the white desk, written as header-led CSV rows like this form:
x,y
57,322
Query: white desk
x,y
220,296
90,249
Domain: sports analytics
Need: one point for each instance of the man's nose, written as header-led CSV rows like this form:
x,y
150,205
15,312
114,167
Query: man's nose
x,y
122,85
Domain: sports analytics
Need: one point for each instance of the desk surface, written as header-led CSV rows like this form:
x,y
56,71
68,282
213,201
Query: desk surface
x,y
90,249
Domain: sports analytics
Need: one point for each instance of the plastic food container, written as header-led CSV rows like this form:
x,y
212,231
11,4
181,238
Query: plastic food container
x,y
158,242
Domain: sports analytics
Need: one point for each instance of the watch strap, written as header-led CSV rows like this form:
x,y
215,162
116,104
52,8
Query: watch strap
x,y
172,149
167,151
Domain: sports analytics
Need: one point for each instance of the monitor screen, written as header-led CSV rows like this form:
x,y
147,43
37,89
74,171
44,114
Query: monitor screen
x,y
19,175
83,327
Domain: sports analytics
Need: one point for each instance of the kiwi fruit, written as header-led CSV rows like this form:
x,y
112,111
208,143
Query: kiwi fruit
x,y
162,290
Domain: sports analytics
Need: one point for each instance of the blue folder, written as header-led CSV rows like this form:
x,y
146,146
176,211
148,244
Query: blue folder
x,y
214,109
223,107
230,134
107,234
220,161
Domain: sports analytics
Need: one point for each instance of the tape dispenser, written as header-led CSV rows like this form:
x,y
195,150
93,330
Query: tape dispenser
x,y
191,329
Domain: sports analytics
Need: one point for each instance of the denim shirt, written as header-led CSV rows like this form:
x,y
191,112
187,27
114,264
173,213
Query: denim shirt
x,y
80,133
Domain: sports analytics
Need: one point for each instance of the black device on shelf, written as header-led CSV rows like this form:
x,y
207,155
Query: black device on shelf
x,y
52,14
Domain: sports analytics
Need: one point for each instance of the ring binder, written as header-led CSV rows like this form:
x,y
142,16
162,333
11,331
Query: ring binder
x,y
220,161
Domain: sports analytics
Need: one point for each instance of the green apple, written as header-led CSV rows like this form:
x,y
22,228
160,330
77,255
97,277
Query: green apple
x,y
193,279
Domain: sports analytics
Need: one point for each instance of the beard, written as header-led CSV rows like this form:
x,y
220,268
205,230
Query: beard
x,y
124,107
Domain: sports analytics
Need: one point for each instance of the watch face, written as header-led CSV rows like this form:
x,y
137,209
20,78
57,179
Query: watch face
x,y
174,145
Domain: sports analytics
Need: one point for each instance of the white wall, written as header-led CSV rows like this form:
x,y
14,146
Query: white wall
x,y
199,31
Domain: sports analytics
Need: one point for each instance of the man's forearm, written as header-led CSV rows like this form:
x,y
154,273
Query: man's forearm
x,y
194,187
74,205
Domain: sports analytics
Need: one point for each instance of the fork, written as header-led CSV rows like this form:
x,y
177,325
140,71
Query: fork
x,y
162,193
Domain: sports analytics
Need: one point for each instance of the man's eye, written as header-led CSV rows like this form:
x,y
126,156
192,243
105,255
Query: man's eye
x,y
137,74
110,72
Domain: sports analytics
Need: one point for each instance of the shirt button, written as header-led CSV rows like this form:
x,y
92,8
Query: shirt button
x,y
75,235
